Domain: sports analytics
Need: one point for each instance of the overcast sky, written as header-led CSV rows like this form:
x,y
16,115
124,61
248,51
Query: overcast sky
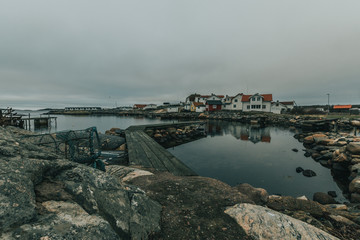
x,y
57,53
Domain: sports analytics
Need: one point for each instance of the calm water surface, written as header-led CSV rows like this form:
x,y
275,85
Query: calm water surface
x,y
233,153
102,123
262,157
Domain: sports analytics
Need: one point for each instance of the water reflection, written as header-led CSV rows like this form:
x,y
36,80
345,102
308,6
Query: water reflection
x,y
236,153
252,133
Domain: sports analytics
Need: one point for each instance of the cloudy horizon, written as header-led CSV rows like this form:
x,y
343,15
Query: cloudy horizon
x,y
119,53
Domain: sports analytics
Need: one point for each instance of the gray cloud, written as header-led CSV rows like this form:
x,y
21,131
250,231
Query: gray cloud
x,y
60,53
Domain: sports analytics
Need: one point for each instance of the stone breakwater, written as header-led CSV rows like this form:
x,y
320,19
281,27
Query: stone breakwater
x,y
170,137
44,196
339,152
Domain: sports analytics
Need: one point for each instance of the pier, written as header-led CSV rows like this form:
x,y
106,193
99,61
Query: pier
x,y
42,121
146,152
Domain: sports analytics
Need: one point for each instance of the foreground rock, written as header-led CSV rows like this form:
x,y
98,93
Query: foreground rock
x,y
50,198
193,207
264,223
258,195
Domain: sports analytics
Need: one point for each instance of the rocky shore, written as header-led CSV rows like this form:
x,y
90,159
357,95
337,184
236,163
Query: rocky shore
x,y
44,196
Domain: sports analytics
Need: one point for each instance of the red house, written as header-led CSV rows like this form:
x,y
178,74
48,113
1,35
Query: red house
x,y
213,105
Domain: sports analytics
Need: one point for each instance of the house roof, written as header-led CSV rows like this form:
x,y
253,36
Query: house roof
x,y
197,104
139,105
207,96
288,103
192,97
267,97
342,106
214,102
239,94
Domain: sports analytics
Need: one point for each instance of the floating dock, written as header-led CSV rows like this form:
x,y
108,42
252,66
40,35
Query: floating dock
x,y
146,152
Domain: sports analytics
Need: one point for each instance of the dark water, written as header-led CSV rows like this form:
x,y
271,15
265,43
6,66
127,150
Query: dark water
x,y
262,157
233,153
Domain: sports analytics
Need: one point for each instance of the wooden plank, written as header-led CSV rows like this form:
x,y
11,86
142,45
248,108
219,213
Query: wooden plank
x,y
155,159
139,157
173,164
145,151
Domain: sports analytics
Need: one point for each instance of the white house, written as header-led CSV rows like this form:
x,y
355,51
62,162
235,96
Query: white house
x,y
257,102
278,108
172,108
197,98
227,102
198,107
236,102
289,105
150,107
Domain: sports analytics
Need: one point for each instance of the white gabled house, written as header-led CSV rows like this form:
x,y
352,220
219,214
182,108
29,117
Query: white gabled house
x,y
281,107
150,107
257,102
289,105
227,102
277,107
236,102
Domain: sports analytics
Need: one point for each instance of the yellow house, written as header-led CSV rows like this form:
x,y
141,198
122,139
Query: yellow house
x,y
197,107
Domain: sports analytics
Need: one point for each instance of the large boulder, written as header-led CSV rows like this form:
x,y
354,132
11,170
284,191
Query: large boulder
x,y
353,147
264,223
193,207
65,220
354,186
323,198
309,173
258,195
287,203
52,198
110,142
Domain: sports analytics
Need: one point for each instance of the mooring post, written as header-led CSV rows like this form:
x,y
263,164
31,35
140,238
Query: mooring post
x,y
29,123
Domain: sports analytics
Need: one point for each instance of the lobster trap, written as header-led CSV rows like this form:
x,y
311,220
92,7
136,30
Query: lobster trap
x,y
82,146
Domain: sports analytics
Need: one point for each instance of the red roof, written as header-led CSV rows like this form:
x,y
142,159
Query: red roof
x,y
140,105
267,97
342,107
207,96
196,104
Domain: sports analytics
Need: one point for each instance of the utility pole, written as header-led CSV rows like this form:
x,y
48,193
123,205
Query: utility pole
x,y
328,94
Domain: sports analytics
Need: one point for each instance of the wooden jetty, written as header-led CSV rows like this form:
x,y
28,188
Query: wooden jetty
x,y
145,151
42,121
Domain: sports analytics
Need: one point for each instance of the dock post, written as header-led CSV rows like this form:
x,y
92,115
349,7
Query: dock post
x,y
29,123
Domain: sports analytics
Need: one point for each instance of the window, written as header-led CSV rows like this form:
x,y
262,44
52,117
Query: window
x,y
264,106
259,98
248,107
214,106
236,100
234,106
